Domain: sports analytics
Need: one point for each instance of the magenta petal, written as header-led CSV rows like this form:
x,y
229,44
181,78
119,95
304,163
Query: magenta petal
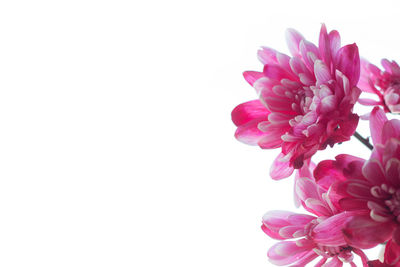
x,y
392,253
329,231
334,39
324,45
267,55
307,188
396,236
390,129
377,263
348,62
369,102
287,252
305,259
377,120
280,169
249,111
249,133
373,172
322,72
277,72
363,232
353,204
271,139
334,262
271,233
252,76
277,218
300,219
293,39
326,173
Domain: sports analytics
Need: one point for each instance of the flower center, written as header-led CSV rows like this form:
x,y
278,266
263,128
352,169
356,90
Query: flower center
x,y
394,204
391,197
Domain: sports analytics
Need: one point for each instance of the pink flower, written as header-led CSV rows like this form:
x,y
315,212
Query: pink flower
x,y
372,187
307,237
305,101
384,84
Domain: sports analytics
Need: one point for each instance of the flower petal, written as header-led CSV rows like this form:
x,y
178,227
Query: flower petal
x,y
249,111
252,76
348,62
293,39
363,232
377,120
280,169
392,252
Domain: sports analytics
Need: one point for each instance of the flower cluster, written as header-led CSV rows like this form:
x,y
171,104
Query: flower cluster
x,y
305,104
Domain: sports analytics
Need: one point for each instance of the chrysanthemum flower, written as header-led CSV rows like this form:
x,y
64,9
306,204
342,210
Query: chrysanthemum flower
x,y
372,187
305,101
385,84
309,237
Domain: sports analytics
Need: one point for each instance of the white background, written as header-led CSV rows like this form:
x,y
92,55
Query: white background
x,y
116,144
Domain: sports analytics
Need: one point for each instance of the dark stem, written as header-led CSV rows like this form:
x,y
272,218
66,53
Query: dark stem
x,y
363,140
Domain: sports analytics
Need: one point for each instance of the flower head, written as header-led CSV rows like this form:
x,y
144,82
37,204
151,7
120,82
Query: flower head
x,y
308,237
305,101
383,83
372,187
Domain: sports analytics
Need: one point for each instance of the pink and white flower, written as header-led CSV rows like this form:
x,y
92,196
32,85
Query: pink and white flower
x,y
385,84
371,186
305,101
308,237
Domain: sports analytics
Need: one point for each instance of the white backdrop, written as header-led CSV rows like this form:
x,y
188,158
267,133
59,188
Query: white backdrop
x,y
116,144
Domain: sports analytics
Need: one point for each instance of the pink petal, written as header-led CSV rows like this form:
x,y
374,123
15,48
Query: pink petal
x,y
393,172
271,139
396,236
300,219
352,166
305,259
318,207
348,62
329,231
249,133
357,189
328,104
390,129
363,232
334,39
353,204
324,45
271,233
377,120
252,76
287,252
307,188
369,102
309,53
267,55
322,72
249,111
334,262
293,39
298,66
373,172
392,252
377,263
280,169
277,218
277,72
